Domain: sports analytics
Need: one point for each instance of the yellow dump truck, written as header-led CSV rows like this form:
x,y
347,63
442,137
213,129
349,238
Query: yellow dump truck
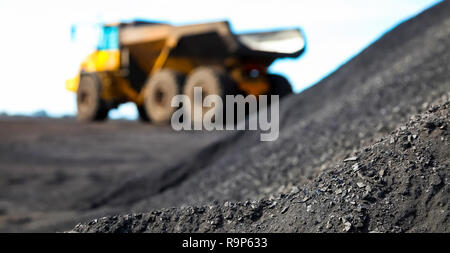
x,y
148,63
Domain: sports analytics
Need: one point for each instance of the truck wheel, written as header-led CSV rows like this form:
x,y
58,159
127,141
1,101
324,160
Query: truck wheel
x,y
158,94
279,85
213,81
90,105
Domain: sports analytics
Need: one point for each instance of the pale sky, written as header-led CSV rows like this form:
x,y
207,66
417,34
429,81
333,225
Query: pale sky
x,y
38,55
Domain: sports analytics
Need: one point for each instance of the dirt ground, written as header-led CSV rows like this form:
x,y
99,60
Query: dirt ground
x,y
364,150
54,172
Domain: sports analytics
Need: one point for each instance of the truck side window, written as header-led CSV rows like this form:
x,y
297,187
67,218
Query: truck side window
x,y
109,38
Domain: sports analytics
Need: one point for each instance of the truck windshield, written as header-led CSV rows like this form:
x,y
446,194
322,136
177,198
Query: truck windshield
x,y
109,38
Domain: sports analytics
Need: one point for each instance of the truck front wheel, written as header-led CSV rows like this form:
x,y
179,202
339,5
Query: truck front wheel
x,y
90,105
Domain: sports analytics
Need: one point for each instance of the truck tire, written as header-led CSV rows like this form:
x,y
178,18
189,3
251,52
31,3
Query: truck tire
x,y
279,85
213,81
90,105
158,94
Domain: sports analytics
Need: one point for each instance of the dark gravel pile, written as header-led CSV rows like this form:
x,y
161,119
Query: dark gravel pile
x,y
397,76
398,184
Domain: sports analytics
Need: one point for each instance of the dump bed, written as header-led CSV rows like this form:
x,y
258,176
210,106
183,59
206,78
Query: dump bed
x,y
215,40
